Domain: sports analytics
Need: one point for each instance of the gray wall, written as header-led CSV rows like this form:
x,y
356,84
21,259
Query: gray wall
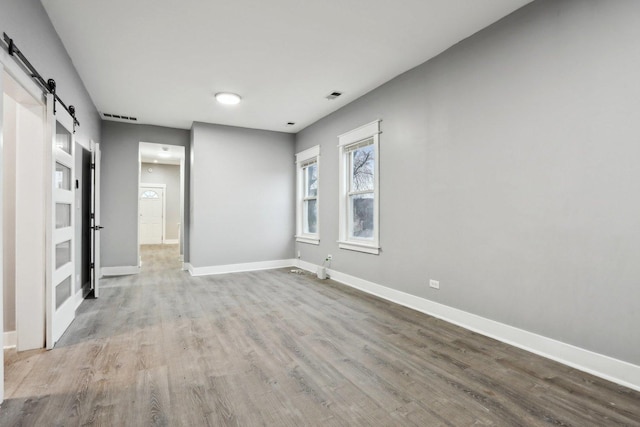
x,y
119,208
28,24
509,172
242,195
170,176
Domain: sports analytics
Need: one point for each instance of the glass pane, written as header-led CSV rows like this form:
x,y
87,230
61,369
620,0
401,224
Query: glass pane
x,y
63,291
311,216
150,195
63,177
63,138
311,180
361,218
63,253
63,215
362,167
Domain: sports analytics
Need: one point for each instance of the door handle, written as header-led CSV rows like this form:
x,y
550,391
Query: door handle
x,y
98,227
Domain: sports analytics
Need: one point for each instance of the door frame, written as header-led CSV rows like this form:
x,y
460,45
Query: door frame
x,y
164,210
8,65
95,270
1,232
77,175
183,197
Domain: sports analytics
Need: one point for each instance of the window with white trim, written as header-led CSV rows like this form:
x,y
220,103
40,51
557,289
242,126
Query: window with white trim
x,y
359,198
308,196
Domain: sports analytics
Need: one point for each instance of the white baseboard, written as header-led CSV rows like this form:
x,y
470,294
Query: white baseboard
x,y
10,339
120,270
78,298
602,366
306,265
238,268
171,241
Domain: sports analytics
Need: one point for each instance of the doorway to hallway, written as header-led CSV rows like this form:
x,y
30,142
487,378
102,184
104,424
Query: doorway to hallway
x,y
160,197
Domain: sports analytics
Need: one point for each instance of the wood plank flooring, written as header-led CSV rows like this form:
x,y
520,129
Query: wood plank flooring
x,y
281,349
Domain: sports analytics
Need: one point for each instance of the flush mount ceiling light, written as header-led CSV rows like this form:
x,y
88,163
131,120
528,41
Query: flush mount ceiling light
x,y
165,153
228,98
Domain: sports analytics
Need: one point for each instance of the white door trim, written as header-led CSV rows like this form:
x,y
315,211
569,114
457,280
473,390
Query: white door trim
x,y
95,221
30,220
11,67
2,60
164,208
19,75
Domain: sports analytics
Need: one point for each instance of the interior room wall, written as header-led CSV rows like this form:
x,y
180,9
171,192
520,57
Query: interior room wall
x,y
242,194
120,168
28,24
170,176
509,173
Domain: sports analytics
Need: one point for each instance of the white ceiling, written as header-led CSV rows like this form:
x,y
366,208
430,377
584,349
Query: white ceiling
x,y
162,60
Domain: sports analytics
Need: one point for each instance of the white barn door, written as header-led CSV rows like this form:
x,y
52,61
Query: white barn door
x,y
60,278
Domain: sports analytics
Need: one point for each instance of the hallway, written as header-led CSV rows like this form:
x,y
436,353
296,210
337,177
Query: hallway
x,y
277,348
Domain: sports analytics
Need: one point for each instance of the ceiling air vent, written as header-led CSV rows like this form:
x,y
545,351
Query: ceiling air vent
x,y
333,95
119,117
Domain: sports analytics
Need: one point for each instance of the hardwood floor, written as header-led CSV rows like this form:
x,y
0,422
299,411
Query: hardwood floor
x,y
282,349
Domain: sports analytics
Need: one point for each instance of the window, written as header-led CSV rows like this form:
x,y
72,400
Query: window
x,y
63,215
62,177
150,194
63,138
308,196
359,199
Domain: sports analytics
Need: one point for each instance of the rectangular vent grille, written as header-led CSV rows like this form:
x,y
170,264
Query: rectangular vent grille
x,y
333,95
118,116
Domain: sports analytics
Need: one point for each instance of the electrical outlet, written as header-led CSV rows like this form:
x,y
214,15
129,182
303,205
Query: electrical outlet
x,y
298,254
329,257
434,284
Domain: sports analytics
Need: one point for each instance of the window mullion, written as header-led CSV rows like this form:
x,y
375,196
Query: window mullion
x,y
357,193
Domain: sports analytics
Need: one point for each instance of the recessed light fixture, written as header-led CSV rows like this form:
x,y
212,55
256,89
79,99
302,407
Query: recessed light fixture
x,y
155,161
228,98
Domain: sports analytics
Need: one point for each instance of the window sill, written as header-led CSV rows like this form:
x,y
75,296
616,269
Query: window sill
x,y
309,240
359,247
